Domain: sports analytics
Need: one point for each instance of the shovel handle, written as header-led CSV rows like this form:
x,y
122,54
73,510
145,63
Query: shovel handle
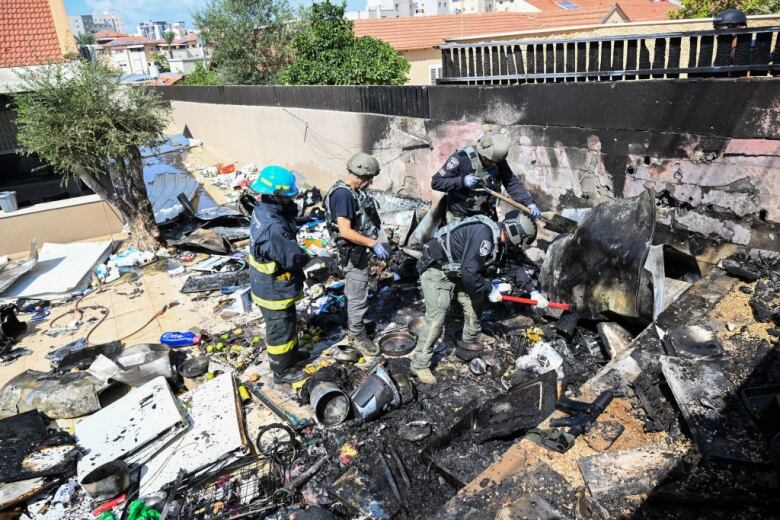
x,y
511,202
529,301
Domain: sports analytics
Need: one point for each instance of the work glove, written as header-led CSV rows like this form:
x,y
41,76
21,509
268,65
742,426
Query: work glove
x,y
380,251
535,212
470,181
503,287
495,295
541,301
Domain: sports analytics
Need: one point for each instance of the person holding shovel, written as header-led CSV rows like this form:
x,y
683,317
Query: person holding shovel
x,y
481,166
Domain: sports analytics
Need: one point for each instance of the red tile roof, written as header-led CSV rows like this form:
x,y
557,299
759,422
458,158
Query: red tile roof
x,y
424,32
127,41
108,33
166,80
27,33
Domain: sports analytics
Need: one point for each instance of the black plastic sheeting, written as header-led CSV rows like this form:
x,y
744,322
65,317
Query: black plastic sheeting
x,y
24,442
214,281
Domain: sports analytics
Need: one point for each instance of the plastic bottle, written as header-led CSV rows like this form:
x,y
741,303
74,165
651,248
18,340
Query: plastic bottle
x,y
179,339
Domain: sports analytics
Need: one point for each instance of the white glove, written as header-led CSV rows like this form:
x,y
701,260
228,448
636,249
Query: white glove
x,y
495,295
541,301
503,287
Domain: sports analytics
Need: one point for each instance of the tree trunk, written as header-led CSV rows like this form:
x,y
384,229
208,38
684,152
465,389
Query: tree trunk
x,y
123,187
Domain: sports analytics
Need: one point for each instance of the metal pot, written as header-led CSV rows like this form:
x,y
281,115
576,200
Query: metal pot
x,y
396,344
330,403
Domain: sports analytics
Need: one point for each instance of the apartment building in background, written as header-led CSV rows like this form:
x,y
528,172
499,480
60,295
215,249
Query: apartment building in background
x,y
93,23
154,30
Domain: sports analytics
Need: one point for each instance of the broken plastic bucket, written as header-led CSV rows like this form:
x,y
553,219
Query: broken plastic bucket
x,y
330,404
8,201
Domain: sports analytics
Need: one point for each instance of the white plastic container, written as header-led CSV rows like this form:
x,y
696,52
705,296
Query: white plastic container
x,y
8,201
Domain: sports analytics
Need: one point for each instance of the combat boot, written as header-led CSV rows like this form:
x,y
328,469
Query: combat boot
x,y
289,376
363,343
425,376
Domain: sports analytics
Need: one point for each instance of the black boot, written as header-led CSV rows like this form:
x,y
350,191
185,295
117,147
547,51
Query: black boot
x,y
301,357
289,376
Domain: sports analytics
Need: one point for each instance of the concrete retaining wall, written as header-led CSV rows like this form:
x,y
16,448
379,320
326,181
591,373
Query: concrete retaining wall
x,y
710,148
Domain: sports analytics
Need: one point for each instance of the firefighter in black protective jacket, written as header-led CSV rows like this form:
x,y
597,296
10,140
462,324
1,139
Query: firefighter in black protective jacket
x,y
354,227
276,263
459,262
471,168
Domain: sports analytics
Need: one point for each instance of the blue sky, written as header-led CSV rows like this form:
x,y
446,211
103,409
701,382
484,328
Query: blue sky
x,y
135,11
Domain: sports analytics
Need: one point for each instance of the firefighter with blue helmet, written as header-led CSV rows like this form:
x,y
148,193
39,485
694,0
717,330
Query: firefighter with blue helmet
x,y
276,264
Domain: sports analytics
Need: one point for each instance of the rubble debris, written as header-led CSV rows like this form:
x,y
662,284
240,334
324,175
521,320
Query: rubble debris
x,y
135,365
693,342
60,270
719,428
207,240
614,337
582,415
107,481
12,493
78,354
378,393
602,434
12,271
215,281
28,449
415,431
58,396
126,428
10,329
522,408
355,490
215,435
659,412
621,473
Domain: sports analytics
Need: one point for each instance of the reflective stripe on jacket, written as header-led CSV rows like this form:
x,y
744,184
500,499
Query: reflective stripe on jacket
x,y
276,260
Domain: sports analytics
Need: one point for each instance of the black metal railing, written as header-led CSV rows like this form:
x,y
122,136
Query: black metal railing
x,y
732,52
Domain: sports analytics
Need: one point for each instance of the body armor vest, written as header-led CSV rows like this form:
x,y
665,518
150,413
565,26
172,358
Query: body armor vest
x,y
366,220
442,239
480,202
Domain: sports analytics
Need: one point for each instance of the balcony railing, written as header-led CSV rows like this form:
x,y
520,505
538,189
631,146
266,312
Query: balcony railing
x,y
731,52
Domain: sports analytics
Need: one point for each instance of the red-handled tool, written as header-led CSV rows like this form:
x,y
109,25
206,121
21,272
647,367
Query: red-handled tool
x,y
110,504
529,301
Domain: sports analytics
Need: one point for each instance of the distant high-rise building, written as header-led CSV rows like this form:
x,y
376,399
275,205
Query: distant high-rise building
x,y
154,30
92,23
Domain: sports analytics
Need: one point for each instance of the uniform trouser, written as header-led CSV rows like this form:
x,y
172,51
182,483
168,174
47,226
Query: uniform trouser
x,y
438,291
281,337
356,292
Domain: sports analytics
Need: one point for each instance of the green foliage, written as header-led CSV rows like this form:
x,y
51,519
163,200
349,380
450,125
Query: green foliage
x,y
161,61
250,39
77,115
328,53
85,39
709,8
200,76
169,36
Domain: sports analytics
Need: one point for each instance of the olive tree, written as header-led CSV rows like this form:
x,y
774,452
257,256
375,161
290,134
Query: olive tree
x,y
80,119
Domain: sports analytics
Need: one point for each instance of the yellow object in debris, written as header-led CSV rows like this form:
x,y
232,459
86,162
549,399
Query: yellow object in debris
x,y
299,384
255,340
210,376
238,332
244,394
533,335
311,368
220,345
210,348
254,377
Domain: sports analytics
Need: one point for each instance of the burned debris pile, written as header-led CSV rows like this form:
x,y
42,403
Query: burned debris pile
x,y
655,391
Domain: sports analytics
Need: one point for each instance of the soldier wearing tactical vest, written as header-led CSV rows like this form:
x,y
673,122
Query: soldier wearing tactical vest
x,y
470,168
276,263
458,263
354,226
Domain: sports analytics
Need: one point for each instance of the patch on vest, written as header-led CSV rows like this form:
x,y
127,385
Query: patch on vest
x,y
485,247
452,163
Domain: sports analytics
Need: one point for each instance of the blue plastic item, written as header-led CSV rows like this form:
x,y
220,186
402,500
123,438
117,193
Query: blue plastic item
x,y
179,339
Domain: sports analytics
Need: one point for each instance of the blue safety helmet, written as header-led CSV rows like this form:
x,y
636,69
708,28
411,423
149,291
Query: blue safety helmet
x,y
275,180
